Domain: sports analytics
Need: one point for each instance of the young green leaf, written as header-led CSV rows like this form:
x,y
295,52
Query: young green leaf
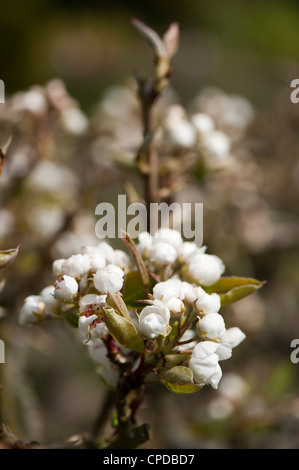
x,y
233,288
179,379
122,330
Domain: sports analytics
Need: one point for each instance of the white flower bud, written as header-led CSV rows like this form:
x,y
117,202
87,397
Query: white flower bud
x,y
47,296
208,303
168,235
202,122
162,253
97,261
32,311
153,320
185,250
153,326
206,269
175,305
109,279
103,248
66,288
56,267
145,241
204,364
122,260
216,144
183,134
85,322
165,290
76,265
212,326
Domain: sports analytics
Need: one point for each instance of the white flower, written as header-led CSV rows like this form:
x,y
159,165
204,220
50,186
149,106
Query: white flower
x,y
145,241
212,326
97,261
185,250
162,253
165,290
122,259
109,279
206,269
91,300
32,310
168,235
76,265
56,267
202,122
208,303
103,248
175,305
204,364
183,134
100,331
229,340
153,320
189,334
85,322
216,144
98,353
66,288
47,296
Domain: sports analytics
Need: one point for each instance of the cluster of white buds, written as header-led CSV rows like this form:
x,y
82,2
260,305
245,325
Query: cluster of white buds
x,y
197,130
166,248
180,314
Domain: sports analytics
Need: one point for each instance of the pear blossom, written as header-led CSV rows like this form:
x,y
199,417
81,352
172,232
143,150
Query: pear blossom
x,y
162,253
229,340
98,353
216,144
170,236
211,326
56,267
66,288
109,279
204,364
202,122
208,303
32,311
97,261
76,265
153,320
189,334
47,296
85,323
206,269
145,241
92,301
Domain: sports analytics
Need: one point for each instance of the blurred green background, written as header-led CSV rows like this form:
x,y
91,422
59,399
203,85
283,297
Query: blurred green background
x,y
243,46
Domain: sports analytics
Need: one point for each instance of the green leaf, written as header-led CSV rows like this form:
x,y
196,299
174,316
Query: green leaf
x,y
134,289
179,379
233,288
116,301
71,317
122,330
7,257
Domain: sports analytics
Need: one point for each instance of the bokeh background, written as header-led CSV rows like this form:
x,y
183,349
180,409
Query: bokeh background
x,y
64,160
